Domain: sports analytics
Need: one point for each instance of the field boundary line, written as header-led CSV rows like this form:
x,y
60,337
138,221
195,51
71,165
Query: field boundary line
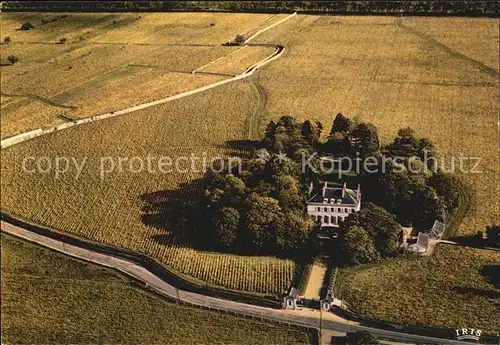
x,y
7,142
491,71
270,27
219,58
38,98
262,22
40,131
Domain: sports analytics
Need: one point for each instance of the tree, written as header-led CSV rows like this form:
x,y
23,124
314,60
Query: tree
x,y
428,207
309,133
27,26
296,230
357,246
380,225
448,188
288,194
263,219
239,40
13,59
493,236
361,338
7,40
341,125
226,226
405,144
364,139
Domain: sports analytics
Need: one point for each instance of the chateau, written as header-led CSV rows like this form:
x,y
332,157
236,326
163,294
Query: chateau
x,y
333,203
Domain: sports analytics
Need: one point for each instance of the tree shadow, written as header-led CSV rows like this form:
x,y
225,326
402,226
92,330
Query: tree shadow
x,y
492,273
469,291
174,212
243,145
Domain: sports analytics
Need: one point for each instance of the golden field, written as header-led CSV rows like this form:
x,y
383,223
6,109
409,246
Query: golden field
x,y
426,73
110,209
453,287
86,303
393,73
111,62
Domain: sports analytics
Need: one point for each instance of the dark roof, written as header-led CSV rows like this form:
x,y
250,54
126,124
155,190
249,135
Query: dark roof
x,y
437,228
334,191
294,293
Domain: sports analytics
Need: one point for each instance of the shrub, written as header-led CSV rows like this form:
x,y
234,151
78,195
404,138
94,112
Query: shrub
x,y
7,40
13,59
62,40
239,40
27,26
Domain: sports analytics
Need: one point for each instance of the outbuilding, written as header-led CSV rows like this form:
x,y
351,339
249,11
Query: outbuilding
x,y
290,301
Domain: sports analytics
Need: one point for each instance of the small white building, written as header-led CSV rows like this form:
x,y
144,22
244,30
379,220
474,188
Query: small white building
x,y
327,303
333,203
290,301
421,245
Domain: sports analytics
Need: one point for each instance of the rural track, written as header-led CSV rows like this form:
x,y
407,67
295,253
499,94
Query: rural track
x,y
254,120
247,73
314,320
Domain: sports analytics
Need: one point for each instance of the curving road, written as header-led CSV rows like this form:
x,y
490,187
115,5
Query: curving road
x,y
305,317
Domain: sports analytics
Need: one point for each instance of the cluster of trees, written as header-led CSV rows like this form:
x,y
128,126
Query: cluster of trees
x,y
402,185
263,207
12,59
349,138
402,177
396,7
368,235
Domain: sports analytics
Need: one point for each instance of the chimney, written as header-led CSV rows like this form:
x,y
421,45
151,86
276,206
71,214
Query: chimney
x,y
323,190
358,192
343,190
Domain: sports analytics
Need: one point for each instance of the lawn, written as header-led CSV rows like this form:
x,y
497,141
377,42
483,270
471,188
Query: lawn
x,y
51,298
454,287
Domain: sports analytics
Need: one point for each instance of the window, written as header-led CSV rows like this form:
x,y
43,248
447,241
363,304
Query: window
x,y
331,210
327,219
325,209
318,209
345,210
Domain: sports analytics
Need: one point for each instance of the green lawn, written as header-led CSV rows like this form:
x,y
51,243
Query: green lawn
x,y
51,298
455,287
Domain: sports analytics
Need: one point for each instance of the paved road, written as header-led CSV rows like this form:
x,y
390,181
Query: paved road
x,y
304,317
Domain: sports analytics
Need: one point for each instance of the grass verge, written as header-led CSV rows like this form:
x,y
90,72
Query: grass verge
x,y
453,287
50,298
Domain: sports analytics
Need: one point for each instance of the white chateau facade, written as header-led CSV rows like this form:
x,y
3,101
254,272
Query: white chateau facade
x,y
333,203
